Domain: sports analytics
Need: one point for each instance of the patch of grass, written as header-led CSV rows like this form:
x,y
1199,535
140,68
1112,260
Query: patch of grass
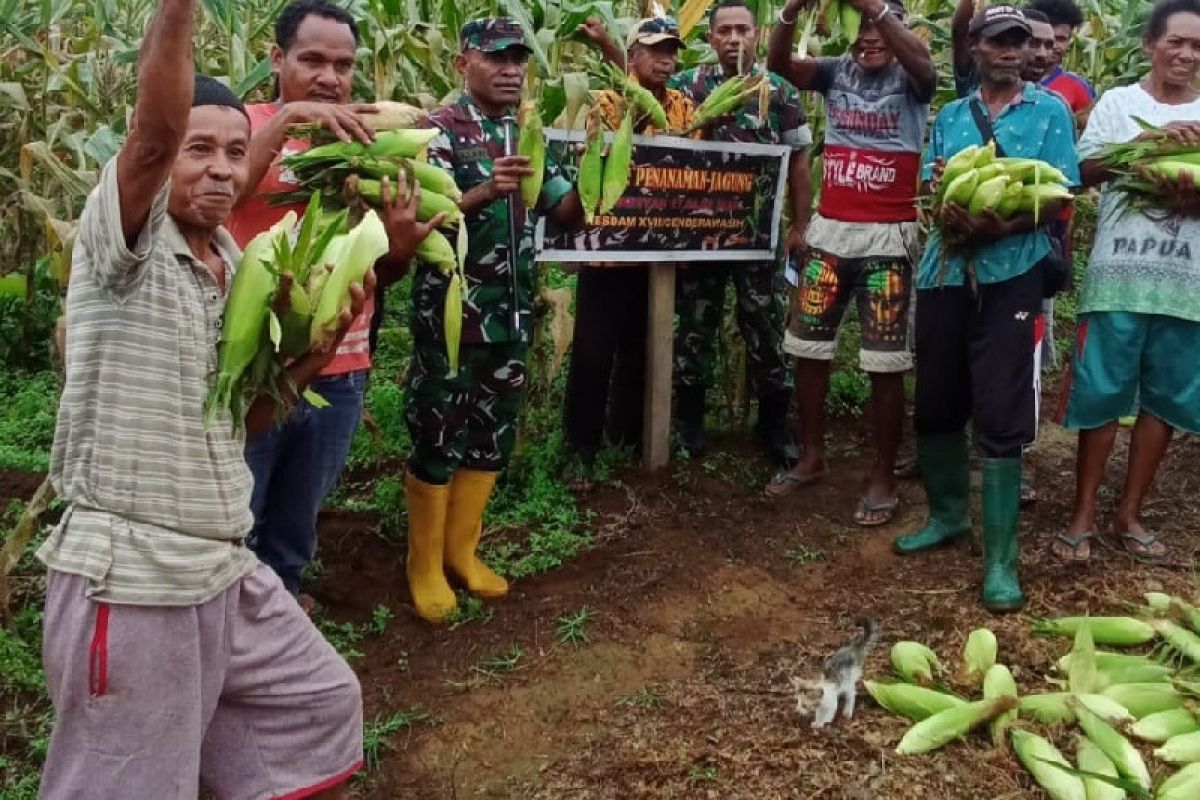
x,y
377,731
21,651
469,609
732,467
495,666
644,698
703,773
849,391
572,628
380,618
344,636
28,404
803,554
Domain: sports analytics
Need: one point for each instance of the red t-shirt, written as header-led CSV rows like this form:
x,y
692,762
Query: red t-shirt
x,y
1070,87
256,215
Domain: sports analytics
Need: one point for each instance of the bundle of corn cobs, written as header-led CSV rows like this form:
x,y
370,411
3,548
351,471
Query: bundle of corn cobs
x,y
1146,169
323,259
976,180
1111,696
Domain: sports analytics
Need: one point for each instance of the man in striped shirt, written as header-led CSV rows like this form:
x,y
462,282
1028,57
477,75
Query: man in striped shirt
x,y
173,657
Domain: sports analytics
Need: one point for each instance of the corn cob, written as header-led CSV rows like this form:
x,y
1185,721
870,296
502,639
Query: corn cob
x,y
1023,169
245,318
724,99
942,728
616,166
390,115
988,195
436,251
1034,751
1143,699
404,142
1159,727
1092,759
1123,755
1179,638
961,189
639,95
979,654
1123,668
1010,202
1181,749
1110,631
998,682
963,161
531,143
1171,170
1057,708
1081,676
434,179
430,204
591,169
691,12
914,702
366,243
914,662
1183,785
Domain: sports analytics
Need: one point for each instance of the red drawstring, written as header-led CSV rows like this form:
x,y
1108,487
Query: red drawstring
x,y
98,654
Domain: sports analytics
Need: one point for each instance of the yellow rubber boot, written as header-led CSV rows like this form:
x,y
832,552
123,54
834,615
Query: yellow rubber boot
x,y
431,594
469,493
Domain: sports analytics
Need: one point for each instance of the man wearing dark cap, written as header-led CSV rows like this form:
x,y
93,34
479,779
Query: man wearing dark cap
x,y
759,287
979,293
173,657
862,242
463,424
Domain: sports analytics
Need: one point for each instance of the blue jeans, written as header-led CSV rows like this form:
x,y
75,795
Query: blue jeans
x,y
295,466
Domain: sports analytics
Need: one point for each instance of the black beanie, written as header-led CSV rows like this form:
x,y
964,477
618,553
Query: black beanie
x,y
211,92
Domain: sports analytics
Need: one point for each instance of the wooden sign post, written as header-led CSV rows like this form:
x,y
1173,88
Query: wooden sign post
x,y
660,341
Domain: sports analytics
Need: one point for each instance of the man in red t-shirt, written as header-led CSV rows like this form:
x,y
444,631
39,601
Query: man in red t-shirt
x,y
297,462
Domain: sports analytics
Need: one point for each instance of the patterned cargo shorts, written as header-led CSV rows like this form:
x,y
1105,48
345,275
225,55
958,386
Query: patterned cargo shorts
x,y
882,288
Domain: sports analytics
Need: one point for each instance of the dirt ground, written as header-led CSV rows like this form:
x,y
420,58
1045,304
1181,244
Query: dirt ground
x,y
707,599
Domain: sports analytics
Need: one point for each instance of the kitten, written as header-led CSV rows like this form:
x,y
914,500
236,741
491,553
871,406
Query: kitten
x,y
839,679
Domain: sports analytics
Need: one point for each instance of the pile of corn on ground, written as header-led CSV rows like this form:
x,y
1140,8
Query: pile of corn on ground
x,y
1113,707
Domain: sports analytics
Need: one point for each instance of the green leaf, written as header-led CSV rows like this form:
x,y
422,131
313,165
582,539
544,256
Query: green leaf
x,y
275,330
516,10
315,400
1130,786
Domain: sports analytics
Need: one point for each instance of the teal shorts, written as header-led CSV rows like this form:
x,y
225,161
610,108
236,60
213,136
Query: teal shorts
x,y
1125,360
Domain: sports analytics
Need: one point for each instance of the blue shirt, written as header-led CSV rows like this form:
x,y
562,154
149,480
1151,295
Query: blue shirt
x,y
1037,125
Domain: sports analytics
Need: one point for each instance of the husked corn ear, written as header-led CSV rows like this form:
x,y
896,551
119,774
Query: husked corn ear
x,y
1033,752
1110,631
364,245
430,204
979,654
1162,725
1179,638
1123,755
1081,677
914,702
436,251
914,662
616,166
1181,749
944,727
988,194
531,143
390,115
1123,668
1173,169
1092,759
403,142
1023,169
434,179
998,682
1058,708
1183,785
961,189
960,163
1144,699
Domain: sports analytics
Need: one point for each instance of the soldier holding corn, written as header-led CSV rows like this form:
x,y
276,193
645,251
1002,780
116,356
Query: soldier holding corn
x,y
760,286
464,425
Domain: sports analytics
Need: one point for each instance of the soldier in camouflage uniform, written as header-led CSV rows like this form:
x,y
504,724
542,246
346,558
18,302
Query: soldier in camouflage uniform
x,y
463,426
760,286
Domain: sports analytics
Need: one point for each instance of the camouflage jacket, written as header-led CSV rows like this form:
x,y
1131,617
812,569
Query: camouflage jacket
x,y
466,146
784,123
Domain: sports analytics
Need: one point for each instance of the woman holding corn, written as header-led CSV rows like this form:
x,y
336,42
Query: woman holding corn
x,y
463,421
608,354
1139,312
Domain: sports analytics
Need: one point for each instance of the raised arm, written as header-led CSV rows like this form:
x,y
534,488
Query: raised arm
x,y
912,53
960,47
166,81
594,31
800,71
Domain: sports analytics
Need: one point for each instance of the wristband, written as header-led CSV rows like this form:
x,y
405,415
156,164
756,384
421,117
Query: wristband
x,y
783,21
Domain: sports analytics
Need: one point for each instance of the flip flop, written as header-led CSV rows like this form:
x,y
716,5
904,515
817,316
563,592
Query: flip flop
x,y
1074,543
868,506
1136,546
784,483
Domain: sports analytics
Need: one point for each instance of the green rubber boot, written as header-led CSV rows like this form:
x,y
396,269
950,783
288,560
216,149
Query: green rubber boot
x,y
946,474
1001,504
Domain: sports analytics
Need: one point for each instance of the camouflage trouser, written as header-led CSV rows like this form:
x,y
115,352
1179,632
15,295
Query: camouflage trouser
x,y
761,314
469,420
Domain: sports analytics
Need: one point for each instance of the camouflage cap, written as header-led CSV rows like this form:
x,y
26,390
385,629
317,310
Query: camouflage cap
x,y
492,34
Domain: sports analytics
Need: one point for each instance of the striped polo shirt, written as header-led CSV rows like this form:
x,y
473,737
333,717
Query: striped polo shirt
x,y
158,505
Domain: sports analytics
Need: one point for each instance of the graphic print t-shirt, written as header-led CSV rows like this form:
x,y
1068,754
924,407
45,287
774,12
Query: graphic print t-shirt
x,y
874,129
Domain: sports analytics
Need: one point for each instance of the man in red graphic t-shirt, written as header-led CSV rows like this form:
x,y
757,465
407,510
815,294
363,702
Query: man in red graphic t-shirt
x,y
862,241
297,462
